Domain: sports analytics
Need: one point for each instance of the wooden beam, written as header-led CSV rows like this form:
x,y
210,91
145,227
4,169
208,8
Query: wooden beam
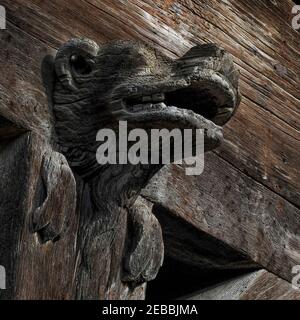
x,y
234,209
36,208
14,159
9,130
193,247
259,285
263,139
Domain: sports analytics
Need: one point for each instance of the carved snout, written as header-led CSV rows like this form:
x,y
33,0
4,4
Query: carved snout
x,y
76,56
213,83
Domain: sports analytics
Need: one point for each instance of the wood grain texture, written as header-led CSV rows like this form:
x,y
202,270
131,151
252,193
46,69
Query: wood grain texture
x,y
94,87
258,34
49,249
12,204
143,261
197,249
261,148
9,130
234,209
259,285
42,263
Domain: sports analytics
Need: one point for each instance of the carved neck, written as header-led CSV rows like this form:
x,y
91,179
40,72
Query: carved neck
x,y
104,205
117,186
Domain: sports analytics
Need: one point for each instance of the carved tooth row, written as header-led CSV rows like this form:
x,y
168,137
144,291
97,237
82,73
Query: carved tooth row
x,y
157,97
146,99
142,107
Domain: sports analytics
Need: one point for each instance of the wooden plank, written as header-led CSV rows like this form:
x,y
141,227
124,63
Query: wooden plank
x,y
259,285
24,254
13,163
270,157
9,130
193,247
41,231
265,49
22,97
233,208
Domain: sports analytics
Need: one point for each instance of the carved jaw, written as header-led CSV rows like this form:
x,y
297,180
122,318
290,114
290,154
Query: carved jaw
x,y
192,101
201,93
161,115
94,87
98,86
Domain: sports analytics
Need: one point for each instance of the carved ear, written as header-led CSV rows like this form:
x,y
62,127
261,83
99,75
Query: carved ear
x,y
76,51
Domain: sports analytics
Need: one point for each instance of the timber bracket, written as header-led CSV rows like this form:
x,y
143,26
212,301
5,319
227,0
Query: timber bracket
x,y
91,87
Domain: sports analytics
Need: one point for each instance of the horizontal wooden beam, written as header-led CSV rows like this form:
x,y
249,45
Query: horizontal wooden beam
x,y
258,285
263,139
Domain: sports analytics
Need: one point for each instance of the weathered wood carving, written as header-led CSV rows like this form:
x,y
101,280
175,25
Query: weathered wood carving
x,y
91,87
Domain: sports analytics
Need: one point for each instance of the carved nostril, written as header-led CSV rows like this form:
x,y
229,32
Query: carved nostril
x,y
81,65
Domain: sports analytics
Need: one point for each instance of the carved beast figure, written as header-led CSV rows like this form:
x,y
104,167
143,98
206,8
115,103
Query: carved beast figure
x,y
96,86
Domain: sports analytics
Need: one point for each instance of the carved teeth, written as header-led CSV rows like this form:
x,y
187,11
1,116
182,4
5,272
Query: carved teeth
x,y
146,99
140,107
158,97
146,106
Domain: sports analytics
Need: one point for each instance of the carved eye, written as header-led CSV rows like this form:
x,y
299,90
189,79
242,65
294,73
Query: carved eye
x,y
81,65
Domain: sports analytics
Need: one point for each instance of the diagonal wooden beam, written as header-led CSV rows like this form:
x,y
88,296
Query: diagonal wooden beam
x,y
234,209
258,285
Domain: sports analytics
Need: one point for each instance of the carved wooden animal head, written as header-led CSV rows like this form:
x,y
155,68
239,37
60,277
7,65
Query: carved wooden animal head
x,y
97,86
94,87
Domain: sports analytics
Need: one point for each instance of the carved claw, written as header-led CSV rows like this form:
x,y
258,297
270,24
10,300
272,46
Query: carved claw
x,y
50,219
146,249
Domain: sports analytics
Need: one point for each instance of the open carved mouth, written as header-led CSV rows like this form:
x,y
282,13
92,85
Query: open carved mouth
x,y
197,102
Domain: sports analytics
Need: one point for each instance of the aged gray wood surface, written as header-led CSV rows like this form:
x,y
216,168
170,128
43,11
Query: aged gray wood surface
x,y
261,142
258,285
257,33
237,211
92,87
